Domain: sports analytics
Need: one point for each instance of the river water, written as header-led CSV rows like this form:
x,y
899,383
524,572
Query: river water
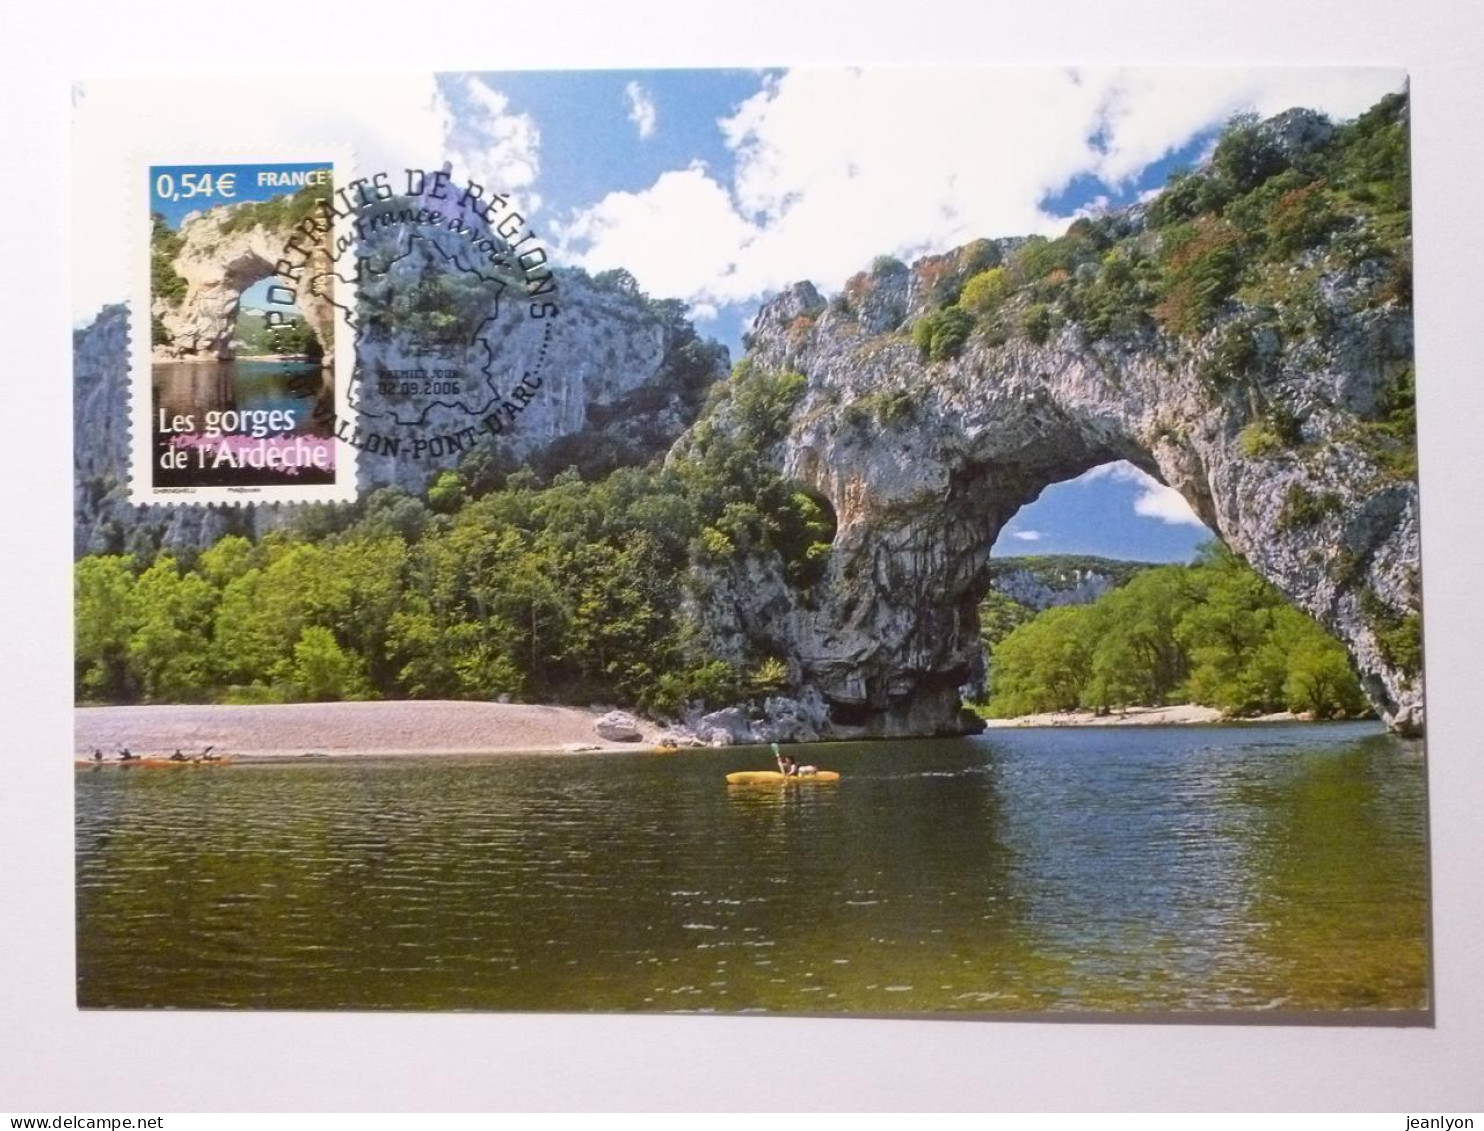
x,y
1149,868
192,389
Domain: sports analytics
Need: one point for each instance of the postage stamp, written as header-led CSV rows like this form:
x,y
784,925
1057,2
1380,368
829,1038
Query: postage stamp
x,y
238,376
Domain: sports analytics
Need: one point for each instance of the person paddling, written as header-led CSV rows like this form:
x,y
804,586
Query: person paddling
x,y
786,764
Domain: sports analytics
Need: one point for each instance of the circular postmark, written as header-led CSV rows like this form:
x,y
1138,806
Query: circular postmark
x,y
446,301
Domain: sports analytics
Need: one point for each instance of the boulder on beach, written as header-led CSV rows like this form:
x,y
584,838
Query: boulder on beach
x,y
618,726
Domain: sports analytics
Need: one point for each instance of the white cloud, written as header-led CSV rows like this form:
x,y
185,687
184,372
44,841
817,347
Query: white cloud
x,y
391,123
1154,500
1027,535
832,167
1150,111
642,110
836,166
485,141
1167,505
685,216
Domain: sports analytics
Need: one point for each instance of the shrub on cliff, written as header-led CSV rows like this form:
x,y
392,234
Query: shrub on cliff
x,y
1114,296
762,401
941,334
165,283
277,213
984,292
1035,320
1202,264
1303,508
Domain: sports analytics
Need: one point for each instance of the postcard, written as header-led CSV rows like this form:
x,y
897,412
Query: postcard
x,y
923,541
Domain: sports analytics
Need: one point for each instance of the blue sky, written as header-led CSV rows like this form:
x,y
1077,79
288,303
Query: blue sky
x,y
590,146
1113,512
619,132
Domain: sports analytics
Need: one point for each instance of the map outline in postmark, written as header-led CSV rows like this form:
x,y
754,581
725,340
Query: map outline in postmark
x,y
463,230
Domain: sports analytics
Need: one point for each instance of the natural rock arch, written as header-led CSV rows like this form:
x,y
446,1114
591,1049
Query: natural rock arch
x,y
925,461
218,267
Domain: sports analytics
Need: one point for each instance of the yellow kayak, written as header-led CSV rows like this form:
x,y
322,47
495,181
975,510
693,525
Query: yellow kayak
x,y
773,777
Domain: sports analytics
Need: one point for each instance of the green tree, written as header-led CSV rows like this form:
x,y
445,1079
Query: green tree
x,y
446,494
170,654
1044,664
1213,633
1318,677
323,670
165,282
106,617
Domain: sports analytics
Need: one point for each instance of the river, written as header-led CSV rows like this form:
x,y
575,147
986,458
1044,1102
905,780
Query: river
x,y
1273,867
193,389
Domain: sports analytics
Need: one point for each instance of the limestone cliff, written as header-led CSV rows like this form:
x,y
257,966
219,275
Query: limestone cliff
x,y
628,378
1048,581
103,519
1274,414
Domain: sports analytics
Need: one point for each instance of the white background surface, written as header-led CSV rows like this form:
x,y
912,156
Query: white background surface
x,y
56,1059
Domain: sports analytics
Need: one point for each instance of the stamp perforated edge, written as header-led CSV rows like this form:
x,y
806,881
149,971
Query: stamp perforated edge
x,y
135,221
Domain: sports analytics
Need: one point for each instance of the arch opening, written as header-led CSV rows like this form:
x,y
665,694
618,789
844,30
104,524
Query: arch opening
x,y
1108,595
222,274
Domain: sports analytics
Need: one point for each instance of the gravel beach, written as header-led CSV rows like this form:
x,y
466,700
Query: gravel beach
x,y
1182,714
378,729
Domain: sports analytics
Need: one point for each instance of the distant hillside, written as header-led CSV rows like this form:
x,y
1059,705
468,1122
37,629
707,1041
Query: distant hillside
x,y
1044,581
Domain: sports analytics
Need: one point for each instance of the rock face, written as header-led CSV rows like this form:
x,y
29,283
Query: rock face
x,y
616,373
105,522
778,719
924,462
1045,585
626,378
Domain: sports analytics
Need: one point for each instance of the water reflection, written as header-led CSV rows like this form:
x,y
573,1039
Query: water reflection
x,y
1034,870
195,388
1339,894
192,388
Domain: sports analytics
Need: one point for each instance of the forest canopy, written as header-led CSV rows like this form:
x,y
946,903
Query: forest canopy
x,y
1212,633
556,590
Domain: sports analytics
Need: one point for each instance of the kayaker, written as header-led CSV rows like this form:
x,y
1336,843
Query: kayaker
x,y
126,755
177,756
786,764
